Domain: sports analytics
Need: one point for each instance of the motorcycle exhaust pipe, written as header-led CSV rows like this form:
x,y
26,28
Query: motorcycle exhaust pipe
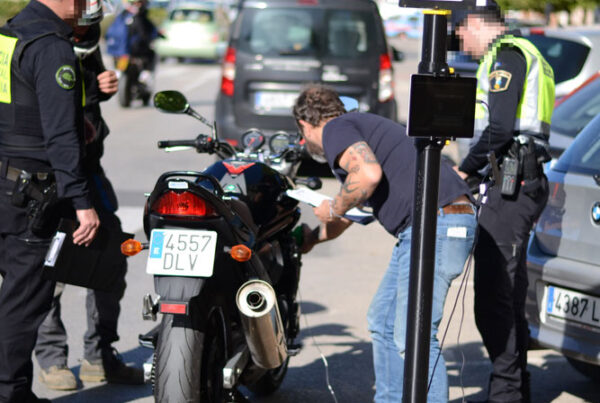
x,y
263,328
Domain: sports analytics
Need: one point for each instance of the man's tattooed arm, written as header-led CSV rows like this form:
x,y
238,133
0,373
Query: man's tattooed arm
x,y
364,174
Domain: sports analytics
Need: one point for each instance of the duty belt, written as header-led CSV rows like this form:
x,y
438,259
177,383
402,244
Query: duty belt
x,y
13,174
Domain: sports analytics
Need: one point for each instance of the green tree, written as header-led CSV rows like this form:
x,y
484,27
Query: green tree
x,y
539,5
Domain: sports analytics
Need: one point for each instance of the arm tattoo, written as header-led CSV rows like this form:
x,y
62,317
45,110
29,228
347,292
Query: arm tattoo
x,y
351,194
364,151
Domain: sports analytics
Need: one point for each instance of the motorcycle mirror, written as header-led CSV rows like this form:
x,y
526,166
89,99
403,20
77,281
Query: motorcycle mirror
x,y
349,103
171,102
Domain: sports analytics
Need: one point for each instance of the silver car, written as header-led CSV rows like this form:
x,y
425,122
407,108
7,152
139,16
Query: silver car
x,y
573,53
563,259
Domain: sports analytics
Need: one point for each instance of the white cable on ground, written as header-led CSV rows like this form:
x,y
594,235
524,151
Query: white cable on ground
x,y
331,391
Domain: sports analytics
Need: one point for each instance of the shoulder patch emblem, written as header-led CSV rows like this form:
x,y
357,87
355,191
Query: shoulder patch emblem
x,y
499,80
65,77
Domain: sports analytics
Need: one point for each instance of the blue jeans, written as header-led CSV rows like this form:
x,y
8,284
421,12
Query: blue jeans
x,y
387,313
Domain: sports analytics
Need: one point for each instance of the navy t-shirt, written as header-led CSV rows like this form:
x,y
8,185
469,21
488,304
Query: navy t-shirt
x,y
392,201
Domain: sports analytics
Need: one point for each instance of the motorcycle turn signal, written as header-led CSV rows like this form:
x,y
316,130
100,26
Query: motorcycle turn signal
x,y
131,247
241,253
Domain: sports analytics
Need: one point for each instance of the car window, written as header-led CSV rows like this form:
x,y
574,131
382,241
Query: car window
x,y
572,115
192,15
566,57
279,32
583,156
294,31
347,34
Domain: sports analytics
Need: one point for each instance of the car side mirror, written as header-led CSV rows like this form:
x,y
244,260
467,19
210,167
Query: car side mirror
x,y
171,102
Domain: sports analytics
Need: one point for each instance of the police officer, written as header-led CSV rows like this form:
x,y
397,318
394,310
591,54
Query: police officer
x,y
100,361
515,102
41,142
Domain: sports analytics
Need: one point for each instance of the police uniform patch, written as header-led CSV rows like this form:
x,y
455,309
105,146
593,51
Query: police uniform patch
x,y
499,80
65,77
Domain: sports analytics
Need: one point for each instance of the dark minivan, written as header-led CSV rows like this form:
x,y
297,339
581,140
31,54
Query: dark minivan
x,y
277,46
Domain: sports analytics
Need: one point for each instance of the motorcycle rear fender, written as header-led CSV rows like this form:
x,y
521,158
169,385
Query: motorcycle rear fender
x,y
178,289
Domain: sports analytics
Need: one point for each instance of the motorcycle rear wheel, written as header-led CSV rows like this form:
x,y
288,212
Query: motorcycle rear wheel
x,y
189,362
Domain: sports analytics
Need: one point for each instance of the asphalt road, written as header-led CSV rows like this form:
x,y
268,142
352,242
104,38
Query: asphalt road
x,y
338,279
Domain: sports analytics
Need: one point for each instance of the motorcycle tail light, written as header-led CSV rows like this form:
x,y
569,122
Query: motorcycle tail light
x,y
241,253
228,75
182,204
386,78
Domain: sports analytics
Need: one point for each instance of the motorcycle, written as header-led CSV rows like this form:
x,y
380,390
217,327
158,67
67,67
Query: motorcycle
x,y
226,266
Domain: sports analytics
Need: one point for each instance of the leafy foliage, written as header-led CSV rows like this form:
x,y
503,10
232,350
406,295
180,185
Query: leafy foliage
x,y
540,5
9,8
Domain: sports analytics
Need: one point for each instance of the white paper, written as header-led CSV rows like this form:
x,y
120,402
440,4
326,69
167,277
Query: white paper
x,y
54,249
314,199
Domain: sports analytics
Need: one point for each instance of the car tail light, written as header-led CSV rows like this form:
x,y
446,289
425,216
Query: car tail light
x,y
386,78
182,204
228,76
536,31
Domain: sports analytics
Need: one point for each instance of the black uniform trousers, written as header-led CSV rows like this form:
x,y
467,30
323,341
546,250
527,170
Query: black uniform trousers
x,y
102,307
25,299
501,287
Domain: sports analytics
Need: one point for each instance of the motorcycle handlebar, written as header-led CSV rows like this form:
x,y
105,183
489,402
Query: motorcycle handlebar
x,y
176,143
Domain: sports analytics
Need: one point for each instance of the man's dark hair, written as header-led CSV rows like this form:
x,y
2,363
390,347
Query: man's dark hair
x,y
317,103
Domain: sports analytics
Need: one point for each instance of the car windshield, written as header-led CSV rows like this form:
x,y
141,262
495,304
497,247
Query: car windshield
x,y
583,156
293,31
566,57
191,15
574,113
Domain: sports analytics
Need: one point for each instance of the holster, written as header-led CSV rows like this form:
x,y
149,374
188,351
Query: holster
x,y
41,201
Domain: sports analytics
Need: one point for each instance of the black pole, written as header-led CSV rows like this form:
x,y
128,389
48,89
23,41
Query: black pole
x,y
422,259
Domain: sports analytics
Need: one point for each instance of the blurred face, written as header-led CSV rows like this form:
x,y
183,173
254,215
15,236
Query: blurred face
x,y
312,135
70,10
475,35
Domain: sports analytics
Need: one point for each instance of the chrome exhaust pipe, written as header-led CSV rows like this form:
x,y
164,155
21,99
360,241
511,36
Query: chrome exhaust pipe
x,y
262,324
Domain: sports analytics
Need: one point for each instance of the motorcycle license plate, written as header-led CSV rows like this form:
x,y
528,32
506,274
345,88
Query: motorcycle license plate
x,y
175,252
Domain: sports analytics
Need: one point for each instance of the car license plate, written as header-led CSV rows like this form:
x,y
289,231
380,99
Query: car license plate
x,y
265,101
189,253
572,305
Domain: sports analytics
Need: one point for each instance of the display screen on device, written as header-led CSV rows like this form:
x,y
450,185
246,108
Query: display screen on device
x,y
443,4
441,106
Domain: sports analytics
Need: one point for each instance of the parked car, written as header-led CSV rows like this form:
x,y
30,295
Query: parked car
x,y
277,46
194,30
563,258
572,113
573,53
